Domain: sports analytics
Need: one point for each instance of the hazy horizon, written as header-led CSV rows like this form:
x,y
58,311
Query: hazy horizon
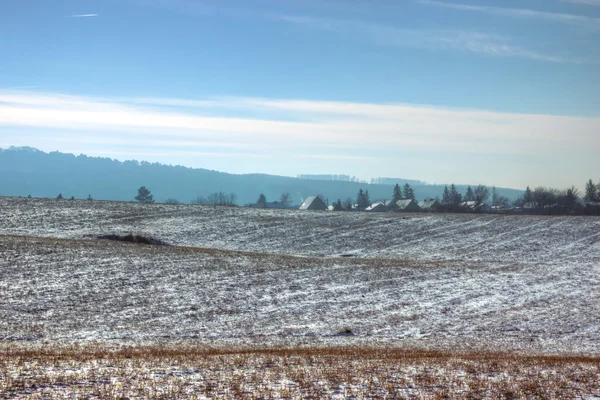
x,y
492,92
367,180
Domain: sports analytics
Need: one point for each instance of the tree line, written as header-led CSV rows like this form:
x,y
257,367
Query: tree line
x,y
540,200
545,200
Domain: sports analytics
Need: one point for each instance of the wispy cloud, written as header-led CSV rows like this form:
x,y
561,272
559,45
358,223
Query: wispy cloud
x,y
467,41
586,2
320,121
325,132
518,12
497,46
83,15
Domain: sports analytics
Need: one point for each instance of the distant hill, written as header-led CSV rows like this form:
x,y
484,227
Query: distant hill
x,y
27,171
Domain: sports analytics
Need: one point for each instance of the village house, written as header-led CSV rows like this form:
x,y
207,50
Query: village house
x,y
475,206
377,207
391,205
430,205
313,203
407,205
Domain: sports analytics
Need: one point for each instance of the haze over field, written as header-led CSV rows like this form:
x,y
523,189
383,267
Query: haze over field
x,y
501,93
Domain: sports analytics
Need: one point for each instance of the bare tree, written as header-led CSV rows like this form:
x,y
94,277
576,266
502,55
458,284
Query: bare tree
x,y
497,199
481,194
286,199
221,199
217,199
198,200
545,198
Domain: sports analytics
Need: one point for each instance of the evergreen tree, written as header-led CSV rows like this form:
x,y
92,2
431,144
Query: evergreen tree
x,y
591,192
348,204
29,196
90,197
397,193
469,196
408,192
528,196
362,199
59,197
337,206
144,195
455,197
446,196
571,197
262,201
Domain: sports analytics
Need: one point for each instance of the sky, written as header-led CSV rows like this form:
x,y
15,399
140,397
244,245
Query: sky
x,y
499,92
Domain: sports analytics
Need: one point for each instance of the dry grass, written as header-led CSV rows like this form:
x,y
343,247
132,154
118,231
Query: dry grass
x,y
184,371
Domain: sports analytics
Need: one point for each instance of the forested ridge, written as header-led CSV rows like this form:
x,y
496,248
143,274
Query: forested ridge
x,y
27,171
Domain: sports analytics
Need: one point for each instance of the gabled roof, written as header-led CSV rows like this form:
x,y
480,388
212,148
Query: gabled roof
x,y
391,204
407,204
313,203
379,206
474,205
276,204
429,204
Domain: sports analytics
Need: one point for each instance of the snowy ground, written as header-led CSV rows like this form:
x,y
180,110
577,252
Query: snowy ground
x,y
473,238
240,278
86,290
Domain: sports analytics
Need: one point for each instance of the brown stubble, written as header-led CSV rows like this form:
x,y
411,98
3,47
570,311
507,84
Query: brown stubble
x,y
184,370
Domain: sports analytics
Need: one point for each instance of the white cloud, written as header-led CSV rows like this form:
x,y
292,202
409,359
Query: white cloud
x,y
466,41
332,134
322,122
83,15
516,12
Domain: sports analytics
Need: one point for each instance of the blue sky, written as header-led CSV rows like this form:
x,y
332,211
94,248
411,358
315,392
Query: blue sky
x,y
495,92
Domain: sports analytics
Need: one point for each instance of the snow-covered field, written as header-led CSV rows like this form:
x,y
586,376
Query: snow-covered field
x,y
88,290
474,238
490,281
265,278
